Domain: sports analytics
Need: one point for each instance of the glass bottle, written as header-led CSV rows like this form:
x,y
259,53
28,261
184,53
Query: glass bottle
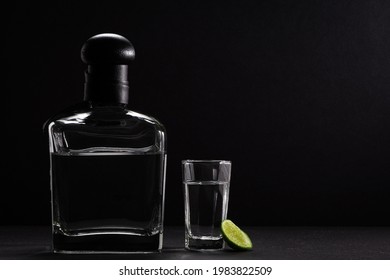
x,y
107,163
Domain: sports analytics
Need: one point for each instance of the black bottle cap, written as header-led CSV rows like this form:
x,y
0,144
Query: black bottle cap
x,y
107,56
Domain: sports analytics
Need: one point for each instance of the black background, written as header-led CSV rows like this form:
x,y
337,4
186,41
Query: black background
x,y
295,93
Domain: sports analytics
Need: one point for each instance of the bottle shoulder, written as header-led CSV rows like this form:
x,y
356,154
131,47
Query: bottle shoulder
x,y
106,129
107,117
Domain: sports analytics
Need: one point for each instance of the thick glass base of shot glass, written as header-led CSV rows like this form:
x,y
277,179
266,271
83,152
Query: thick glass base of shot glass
x,y
204,243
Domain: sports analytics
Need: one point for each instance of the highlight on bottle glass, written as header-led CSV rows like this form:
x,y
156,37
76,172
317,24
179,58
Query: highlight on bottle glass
x,y
206,195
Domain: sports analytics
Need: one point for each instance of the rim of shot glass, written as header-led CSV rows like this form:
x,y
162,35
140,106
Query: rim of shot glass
x,y
221,161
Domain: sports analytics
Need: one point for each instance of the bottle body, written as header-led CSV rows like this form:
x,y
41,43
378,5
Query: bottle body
x,y
107,180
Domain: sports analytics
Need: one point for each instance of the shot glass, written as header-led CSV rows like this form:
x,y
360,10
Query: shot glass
x,y
206,196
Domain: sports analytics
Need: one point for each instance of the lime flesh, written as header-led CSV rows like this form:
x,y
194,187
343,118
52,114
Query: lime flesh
x,y
235,237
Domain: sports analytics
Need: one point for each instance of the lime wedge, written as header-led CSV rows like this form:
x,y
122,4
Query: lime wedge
x,y
235,237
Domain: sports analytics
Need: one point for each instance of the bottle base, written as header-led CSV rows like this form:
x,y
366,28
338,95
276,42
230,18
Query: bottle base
x,y
107,244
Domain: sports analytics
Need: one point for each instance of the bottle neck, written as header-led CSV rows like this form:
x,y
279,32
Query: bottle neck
x,y
106,84
106,105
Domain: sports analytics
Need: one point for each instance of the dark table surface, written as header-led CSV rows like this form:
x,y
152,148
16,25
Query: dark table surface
x,y
270,243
